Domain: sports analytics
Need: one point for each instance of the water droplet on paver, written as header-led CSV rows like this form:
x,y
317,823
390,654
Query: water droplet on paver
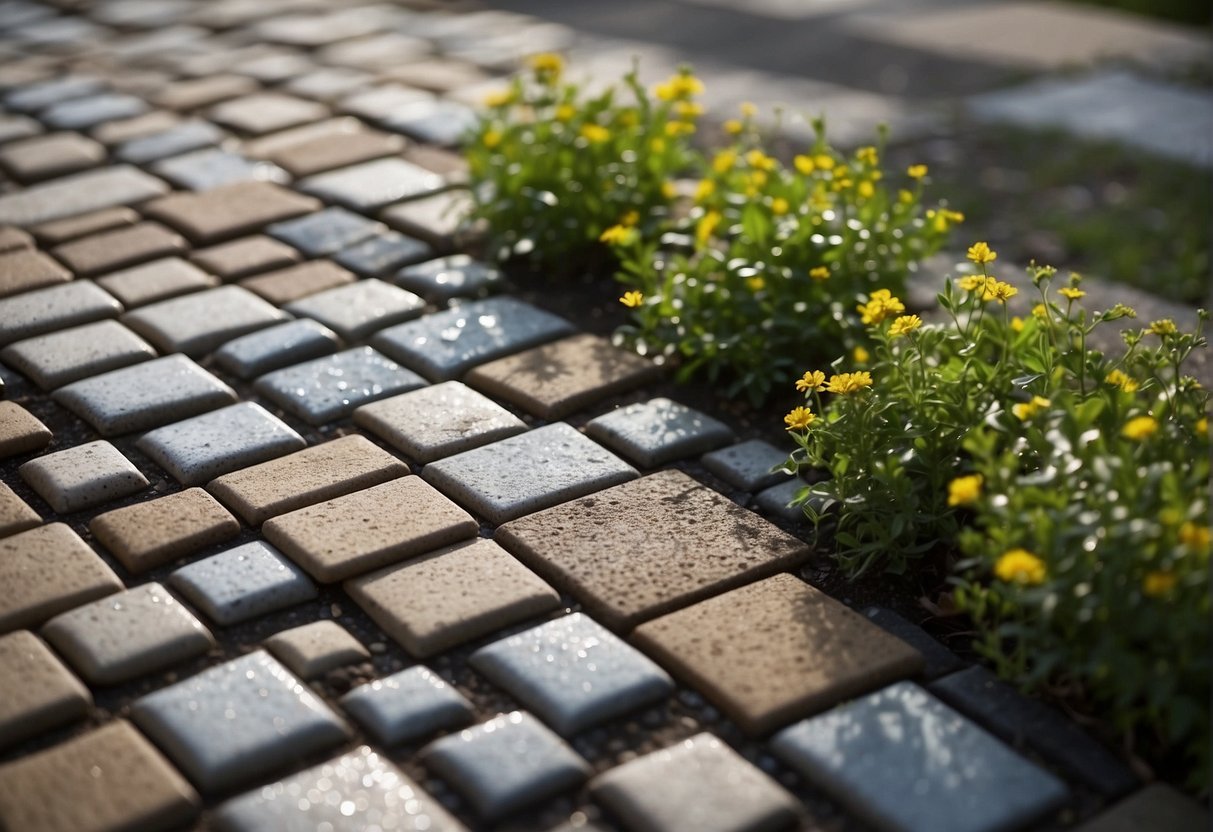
x,y
487,321
117,605
451,333
95,771
347,808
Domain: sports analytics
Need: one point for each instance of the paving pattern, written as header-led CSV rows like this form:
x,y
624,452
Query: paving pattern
x,y
306,523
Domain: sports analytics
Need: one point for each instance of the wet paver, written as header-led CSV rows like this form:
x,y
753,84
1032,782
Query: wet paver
x,y
198,323
369,186
748,465
78,194
444,278
227,211
658,431
21,431
324,232
156,281
87,475
53,308
293,282
210,167
407,706
242,583
383,254
276,347
47,570
246,256
118,248
359,309
314,649
69,355
152,533
37,692
162,144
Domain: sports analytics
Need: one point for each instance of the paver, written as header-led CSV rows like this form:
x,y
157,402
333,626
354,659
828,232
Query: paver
x,y
345,143
114,133
438,75
89,111
376,51
30,98
452,596
179,138
13,127
321,472
211,167
72,354
155,281
359,309
701,784
198,323
14,239
242,583
153,533
276,347
127,635
383,796
330,388
573,673
441,220
47,570
241,258
115,249
20,430
109,778
227,211
778,500
60,231
407,706
1158,807
198,449
15,513
748,465
369,186
285,285
612,551
145,395
528,472
468,420
314,649
446,344
380,102
37,692
83,476
505,764
232,723
328,83
199,92
56,307
938,660
78,194
442,122
447,277
44,157
658,431
901,760
452,167
382,254
272,68
262,113
324,232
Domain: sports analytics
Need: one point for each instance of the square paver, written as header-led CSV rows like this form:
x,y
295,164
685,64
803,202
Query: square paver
x,y
369,186
127,635
210,167
447,344
15,513
241,720
276,347
48,570
121,247
60,231
78,194
738,651
658,431
314,649
246,256
438,421
177,139
328,83
442,220
262,113
383,254
446,123
902,760
528,472
747,465
72,354
227,211
21,431
506,764
30,98
89,111
56,307
613,551
109,778
325,232
37,692
359,309
453,596
407,706
779,500
83,476
145,395
378,51
155,281
338,148
699,784
330,388
198,323
116,132
380,102
26,269
197,450
573,672
200,92
285,285
47,156
150,534
241,583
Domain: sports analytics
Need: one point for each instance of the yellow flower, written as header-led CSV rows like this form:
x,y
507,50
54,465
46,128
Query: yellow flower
x,y
679,128
1026,410
733,127
1040,311
632,299
905,197
1139,428
881,304
668,189
707,226
688,109
595,133
629,219
491,139
804,164
964,491
1157,583
800,418
904,325
999,291
1021,567
845,383
860,356
1195,536
867,155
779,206
820,272
866,189
679,87
657,145
724,160
748,110
841,184
499,98
565,112
916,171
704,189
757,179
942,219
547,66
981,253
1202,426
814,380
755,284
761,161
1166,326
618,234
824,161
1071,293
1125,382
1017,324
629,118
973,282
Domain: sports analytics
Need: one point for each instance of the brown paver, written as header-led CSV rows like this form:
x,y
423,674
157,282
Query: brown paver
x,y
368,529
438,75
266,112
336,150
453,596
244,257
649,546
26,269
14,239
314,649
438,220
147,535
157,280
115,249
108,779
450,166
43,157
20,430
776,651
285,285
47,570
116,132
15,513
229,210
200,92
1158,807
321,472
37,692
560,378
60,231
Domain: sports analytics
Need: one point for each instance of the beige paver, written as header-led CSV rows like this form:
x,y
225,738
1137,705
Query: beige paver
x,y
265,112
47,570
776,651
246,256
37,692
314,649
26,269
60,231
200,92
318,473
147,535
440,219
229,210
286,285
368,529
20,430
15,513
453,596
649,546
108,779
560,378
321,153
115,249
14,239
116,132
450,166
157,280
42,157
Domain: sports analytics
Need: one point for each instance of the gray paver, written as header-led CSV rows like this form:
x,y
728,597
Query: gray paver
x,y
56,307
380,102
180,138
446,344
325,232
407,706
235,722
445,123
328,83
359,309
37,692
658,431
211,167
89,111
448,277
371,185
201,448
441,219
72,354
156,281
145,395
747,465
279,346
939,660
573,673
242,583
527,473
266,112
383,253
200,322
330,388
13,127
82,477
777,500
314,649
79,194
902,760
42,94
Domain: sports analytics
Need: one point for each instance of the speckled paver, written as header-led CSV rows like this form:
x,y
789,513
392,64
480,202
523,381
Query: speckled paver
x,y
145,395
48,570
198,449
78,194
154,281
407,706
21,431
453,596
119,248
294,282
506,763
383,797
22,270
368,529
359,309
383,254
109,778
228,211
276,347
243,583
48,156
150,534
37,692
314,649
371,185
15,513
699,784
447,344
82,477
60,231
56,307
902,760
325,232
240,720
246,256
448,277
1158,807
72,354
658,431
747,465
573,673
127,635
196,324
611,550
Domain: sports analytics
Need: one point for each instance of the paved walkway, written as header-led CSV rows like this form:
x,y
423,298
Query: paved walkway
x,y
287,541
